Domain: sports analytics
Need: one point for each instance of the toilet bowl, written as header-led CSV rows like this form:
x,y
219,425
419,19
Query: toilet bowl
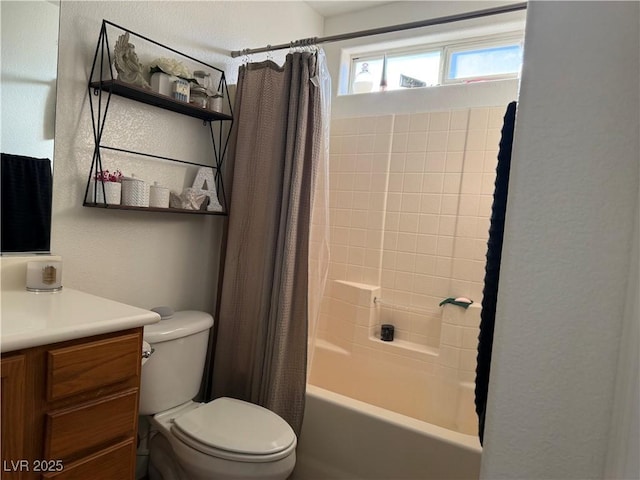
x,y
225,438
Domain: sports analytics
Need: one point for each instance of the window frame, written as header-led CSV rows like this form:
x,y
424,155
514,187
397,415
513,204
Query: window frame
x,y
446,49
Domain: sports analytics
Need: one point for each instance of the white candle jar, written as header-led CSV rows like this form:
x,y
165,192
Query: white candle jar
x,y
44,276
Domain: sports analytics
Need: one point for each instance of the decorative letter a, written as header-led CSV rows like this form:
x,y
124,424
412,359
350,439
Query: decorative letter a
x,y
205,176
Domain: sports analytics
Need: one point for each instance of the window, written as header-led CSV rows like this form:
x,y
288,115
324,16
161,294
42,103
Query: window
x,y
428,65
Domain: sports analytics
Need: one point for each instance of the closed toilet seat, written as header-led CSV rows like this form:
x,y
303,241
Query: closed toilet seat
x,y
235,430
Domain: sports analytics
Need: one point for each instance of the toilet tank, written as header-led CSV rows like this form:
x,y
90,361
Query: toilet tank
x,y
173,373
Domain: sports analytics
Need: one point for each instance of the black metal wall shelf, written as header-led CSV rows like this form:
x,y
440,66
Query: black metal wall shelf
x,y
150,97
151,209
106,83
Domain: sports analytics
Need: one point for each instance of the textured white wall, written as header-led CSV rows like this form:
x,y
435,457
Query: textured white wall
x,y
29,59
572,201
140,258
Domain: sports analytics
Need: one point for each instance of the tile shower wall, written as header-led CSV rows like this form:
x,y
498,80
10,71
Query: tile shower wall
x,y
410,200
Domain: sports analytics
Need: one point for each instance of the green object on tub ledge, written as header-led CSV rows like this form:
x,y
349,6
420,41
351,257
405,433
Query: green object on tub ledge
x,y
461,302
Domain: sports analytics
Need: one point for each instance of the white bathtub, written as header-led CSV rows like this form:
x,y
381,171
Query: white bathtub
x,y
343,438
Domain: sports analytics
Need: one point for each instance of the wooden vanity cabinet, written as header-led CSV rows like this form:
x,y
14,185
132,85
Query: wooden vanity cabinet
x,y
70,409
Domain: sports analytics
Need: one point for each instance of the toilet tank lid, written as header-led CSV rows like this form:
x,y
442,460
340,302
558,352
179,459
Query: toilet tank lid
x,y
182,324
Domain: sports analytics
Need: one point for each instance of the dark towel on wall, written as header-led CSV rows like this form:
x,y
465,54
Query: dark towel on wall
x,y
26,203
492,269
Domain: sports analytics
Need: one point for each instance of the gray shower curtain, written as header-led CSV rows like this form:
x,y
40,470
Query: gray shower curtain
x,y
261,346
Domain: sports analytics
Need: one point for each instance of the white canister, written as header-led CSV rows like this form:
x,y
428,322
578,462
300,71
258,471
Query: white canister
x,y
158,196
163,83
135,192
215,103
44,276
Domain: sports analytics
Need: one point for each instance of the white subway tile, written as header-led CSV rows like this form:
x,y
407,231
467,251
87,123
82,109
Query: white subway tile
x,y
459,119
447,225
437,141
405,262
401,123
452,183
471,183
380,163
449,356
490,161
488,183
493,139
449,205
396,162
384,124
474,161
417,142
444,266
456,141
367,125
382,143
407,242
392,221
408,222
395,182
469,205
439,121
427,244
476,139
364,163
432,183
425,264
349,144
470,338
357,237
412,183
428,224
451,335
445,246
467,227
411,202
350,126
375,220
435,162
430,203
403,282
468,360
399,143
390,240
496,117
464,248
419,122
415,162
365,143
454,162
478,118
359,219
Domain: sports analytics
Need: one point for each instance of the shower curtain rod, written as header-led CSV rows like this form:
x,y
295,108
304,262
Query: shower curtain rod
x,y
514,7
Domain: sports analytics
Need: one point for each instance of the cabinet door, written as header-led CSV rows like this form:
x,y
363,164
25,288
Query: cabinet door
x,y
12,391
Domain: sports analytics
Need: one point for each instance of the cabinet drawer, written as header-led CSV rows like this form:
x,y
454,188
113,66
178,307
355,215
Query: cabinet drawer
x,y
79,428
113,463
75,369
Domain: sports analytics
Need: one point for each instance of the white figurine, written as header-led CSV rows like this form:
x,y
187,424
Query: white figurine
x,y
126,62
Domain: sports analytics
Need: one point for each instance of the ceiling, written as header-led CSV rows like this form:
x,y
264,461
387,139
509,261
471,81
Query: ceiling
x,y
338,7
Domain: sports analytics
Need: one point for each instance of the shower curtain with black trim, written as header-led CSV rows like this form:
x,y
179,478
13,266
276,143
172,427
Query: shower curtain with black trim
x,y
492,268
278,151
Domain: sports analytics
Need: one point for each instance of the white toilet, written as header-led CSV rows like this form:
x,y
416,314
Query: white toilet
x,y
223,439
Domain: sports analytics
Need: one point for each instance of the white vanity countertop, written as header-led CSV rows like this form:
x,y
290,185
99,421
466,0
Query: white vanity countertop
x,y
31,319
